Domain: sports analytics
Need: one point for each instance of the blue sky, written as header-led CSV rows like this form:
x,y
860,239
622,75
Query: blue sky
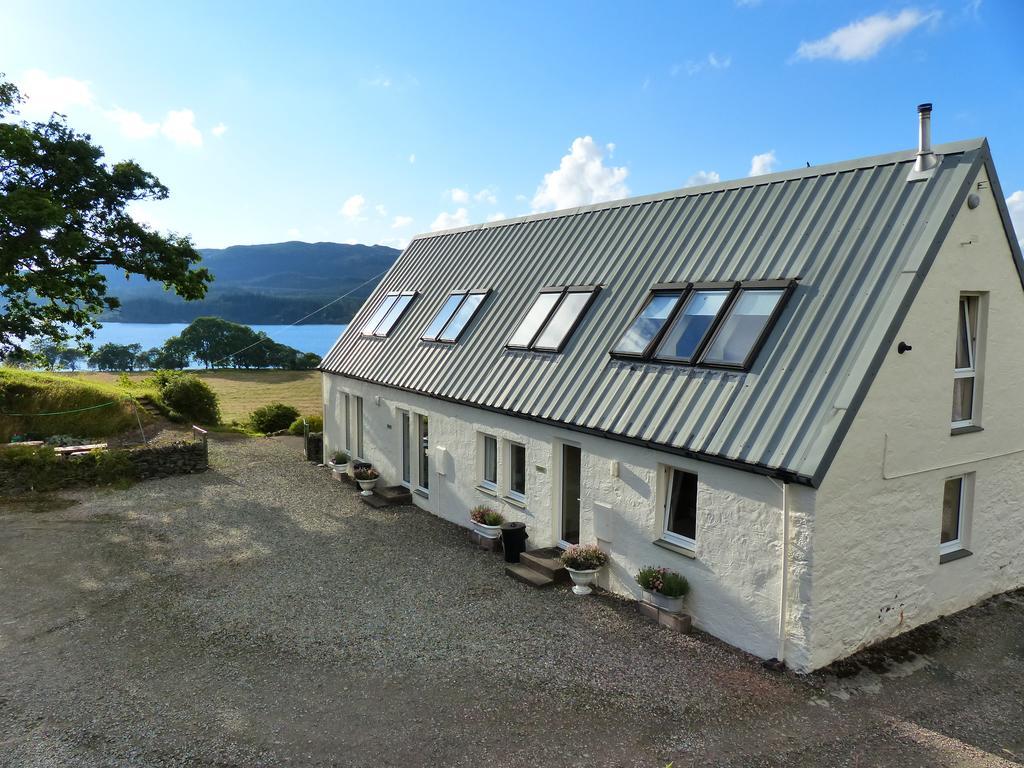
x,y
370,122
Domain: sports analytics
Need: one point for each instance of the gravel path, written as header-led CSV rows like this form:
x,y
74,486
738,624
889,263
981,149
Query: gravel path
x,y
260,614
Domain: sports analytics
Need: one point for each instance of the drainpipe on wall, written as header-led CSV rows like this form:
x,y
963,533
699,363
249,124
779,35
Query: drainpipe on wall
x,y
784,595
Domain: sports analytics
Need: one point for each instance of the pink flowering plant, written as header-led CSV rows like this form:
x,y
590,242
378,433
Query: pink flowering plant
x,y
368,473
584,557
484,515
663,581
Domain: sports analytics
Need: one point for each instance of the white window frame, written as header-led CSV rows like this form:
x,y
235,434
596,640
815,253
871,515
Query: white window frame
x,y
511,493
359,429
964,305
405,446
963,511
422,489
348,423
666,511
491,485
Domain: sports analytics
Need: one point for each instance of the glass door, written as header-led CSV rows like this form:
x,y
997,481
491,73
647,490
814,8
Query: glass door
x,y
570,502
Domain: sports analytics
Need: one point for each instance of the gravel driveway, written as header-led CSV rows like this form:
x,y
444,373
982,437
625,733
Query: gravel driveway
x,y
260,614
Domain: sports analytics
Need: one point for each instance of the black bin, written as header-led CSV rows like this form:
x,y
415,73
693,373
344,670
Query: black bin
x,y
513,540
315,447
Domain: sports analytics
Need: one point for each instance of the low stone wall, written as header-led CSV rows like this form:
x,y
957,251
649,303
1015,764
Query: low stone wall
x,y
38,469
167,460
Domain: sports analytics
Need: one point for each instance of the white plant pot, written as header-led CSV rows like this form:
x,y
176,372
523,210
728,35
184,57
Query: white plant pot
x,y
339,471
665,603
487,531
582,580
367,487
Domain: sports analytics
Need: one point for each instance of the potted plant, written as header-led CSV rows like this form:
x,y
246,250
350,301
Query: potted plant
x,y
339,464
486,521
367,479
663,588
583,561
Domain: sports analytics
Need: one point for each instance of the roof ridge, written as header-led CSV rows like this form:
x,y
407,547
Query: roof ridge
x,y
809,172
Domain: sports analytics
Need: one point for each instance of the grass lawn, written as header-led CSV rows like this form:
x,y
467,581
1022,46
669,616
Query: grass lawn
x,y
240,392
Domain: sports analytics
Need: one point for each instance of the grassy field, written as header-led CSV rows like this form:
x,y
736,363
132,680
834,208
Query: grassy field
x,y
240,392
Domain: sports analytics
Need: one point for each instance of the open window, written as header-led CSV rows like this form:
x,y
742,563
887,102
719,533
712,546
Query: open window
x,y
455,314
554,316
744,327
681,509
388,313
691,326
965,365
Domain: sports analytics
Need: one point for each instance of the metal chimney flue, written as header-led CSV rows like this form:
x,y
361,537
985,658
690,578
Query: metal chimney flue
x,y
926,160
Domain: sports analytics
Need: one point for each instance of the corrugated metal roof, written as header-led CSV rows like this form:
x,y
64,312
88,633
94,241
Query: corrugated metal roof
x,y
857,234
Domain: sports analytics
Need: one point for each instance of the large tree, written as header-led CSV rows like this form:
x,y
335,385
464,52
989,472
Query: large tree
x,y
62,217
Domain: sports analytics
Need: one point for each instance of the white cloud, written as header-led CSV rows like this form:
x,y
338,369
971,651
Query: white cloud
x,y
353,207
486,196
132,124
521,198
180,127
458,195
864,38
293,232
702,177
499,216
401,221
219,130
764,163
381,81
381,210
396,242
581,178
412,158
1015,203
47,94
447,220
711,61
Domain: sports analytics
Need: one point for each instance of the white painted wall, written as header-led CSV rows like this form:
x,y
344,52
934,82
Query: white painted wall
x,y
876,531
735,574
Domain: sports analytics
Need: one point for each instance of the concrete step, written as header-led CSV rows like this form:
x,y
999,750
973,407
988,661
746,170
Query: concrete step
x,y
394,494
545,562
375,501
527,575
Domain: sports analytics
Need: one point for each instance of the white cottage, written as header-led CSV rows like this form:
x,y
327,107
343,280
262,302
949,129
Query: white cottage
x,y
800,390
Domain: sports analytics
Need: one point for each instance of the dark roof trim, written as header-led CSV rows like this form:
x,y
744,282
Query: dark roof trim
x,y
710,458
889,337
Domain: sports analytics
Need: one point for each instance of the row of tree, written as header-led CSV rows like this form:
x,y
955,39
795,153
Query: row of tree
x,y
212,341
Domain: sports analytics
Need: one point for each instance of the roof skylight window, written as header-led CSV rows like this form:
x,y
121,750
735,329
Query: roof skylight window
x,y
717,325
744,326
691,325
453,317
652,318
552,319
387,313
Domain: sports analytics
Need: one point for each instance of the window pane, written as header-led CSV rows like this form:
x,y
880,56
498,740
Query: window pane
x,y
382,309
963,399
400,305
517,479
743,327
406,458
534,319
443,316
359,427
490,460
692,325
643,330
562,321
348,426
682,505
424,445
951,510
463,316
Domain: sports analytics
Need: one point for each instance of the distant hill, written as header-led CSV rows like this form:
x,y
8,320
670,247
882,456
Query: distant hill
x,y
262,284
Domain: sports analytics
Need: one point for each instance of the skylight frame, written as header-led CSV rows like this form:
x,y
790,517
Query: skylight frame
x,y
562,292
662,289
788,285
464,297
391,298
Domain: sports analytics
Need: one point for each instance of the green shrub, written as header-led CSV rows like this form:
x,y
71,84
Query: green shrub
x,y
188,395
316,424
662,580
36,467
273,417
486,516
340,457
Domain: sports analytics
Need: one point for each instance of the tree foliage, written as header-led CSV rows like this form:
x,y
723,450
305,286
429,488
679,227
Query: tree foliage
x,y
62,217
116,357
